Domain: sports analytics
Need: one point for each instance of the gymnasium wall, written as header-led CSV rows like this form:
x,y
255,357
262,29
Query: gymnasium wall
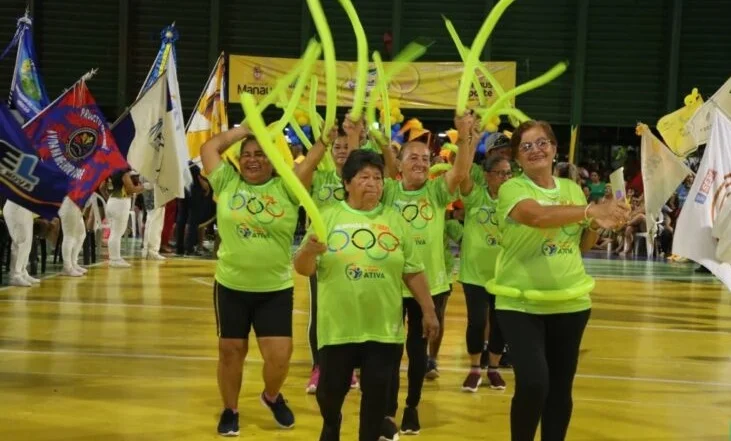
x,y
638,57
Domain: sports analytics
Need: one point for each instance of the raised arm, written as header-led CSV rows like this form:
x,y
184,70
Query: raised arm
x,y
466,144
305,170
212,149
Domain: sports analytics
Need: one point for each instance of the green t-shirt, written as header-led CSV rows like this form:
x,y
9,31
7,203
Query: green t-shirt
x,y
453,231
327,188
360,275
424,211
540,261
481,244
596,191
256,224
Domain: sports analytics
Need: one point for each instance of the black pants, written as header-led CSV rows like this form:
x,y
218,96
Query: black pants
x,y
376,361
312,327
479,301
544,350
416,346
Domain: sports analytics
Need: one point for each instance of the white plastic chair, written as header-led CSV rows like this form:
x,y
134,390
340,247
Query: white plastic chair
x,y
649,240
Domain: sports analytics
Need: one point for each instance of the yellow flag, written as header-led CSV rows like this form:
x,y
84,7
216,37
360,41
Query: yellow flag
x,y
672,126
210,117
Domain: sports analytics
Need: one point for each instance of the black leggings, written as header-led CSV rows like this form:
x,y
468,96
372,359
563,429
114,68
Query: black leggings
x,y
416,346
377,361
479,301
312,326
544,350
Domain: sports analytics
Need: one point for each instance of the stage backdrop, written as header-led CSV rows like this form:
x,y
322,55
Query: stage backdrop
x,y
426,85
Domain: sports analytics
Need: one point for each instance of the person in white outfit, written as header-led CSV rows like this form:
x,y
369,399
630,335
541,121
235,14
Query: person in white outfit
x,y
20,226
118,208
153,226
74,233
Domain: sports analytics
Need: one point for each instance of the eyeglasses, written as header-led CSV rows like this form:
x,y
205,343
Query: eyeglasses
x,y
541,143
503,174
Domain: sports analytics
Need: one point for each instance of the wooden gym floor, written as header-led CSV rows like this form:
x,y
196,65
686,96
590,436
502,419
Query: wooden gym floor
x,y
130,354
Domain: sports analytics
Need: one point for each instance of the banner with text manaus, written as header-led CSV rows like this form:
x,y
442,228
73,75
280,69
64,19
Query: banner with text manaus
x,y
422,85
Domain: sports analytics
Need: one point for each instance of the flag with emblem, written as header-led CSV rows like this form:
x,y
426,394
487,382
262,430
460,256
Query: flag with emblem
x,y
24,179
165,64
701,233
27,93
209,117
71,136
143,134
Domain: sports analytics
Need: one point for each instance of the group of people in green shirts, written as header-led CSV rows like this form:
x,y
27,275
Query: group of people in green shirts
x,y
380,276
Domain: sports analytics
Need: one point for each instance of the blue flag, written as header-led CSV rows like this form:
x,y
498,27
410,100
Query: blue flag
x,y
24,179
72,137
27,92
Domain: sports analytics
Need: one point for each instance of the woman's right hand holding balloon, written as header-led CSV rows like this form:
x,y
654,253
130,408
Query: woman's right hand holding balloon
x,y
314,247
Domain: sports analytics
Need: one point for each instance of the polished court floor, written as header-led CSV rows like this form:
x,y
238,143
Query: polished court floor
x,y
130,354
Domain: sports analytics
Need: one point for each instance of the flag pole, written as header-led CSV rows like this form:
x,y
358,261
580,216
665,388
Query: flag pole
x,y
205,88
87,76
129,108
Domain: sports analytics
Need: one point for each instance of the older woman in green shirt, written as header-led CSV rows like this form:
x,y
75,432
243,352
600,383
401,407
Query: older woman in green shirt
x,y
257,216
361,265
542,289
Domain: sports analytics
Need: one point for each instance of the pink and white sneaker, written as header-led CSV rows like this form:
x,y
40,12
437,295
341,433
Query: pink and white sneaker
x,y
314,380
354,384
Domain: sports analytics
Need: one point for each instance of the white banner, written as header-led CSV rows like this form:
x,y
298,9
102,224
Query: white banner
x,y
707,205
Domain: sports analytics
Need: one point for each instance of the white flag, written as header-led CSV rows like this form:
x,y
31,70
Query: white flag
x,y
178,136
704,207
147,131
662,173
699,124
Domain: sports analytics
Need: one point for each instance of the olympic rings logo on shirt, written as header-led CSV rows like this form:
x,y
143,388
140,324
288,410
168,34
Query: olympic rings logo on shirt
x,y
264,209
485,215
375,247
572,230
328,192
418,214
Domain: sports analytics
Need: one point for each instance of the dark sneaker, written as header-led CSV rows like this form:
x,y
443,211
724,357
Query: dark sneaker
x,y
432,370
389,431
495,380
472,382
410,424
283,416
228,425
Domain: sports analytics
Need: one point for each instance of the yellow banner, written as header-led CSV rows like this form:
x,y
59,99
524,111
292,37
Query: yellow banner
x,y
422,85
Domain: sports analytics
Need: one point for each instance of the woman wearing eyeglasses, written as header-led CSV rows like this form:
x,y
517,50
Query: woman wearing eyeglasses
x,y
542,289
480,248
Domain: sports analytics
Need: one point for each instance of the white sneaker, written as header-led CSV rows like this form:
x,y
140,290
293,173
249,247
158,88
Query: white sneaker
x,y
20,281
121,263
31,279
155,256
71,272
81,269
